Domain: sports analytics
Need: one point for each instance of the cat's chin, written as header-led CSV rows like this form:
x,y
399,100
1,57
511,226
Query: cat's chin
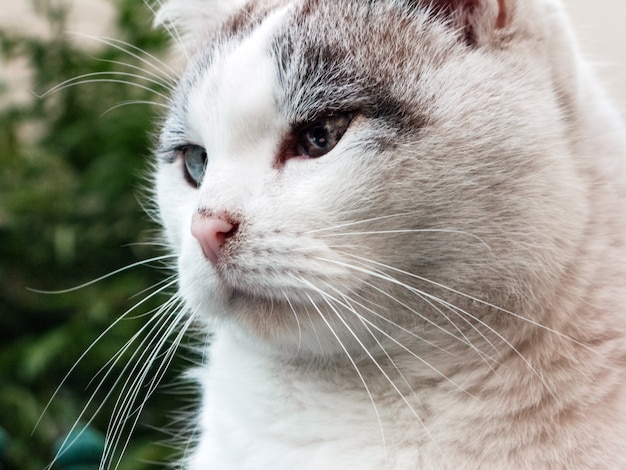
x,y
260,309
214,294
276,322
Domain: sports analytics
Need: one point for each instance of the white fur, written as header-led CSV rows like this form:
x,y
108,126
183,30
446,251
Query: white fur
x,y
511,194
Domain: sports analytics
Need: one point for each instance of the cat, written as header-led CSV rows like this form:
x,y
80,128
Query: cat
x,y
401,225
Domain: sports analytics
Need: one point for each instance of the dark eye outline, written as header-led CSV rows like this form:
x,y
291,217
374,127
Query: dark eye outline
x,y
321,136
194,158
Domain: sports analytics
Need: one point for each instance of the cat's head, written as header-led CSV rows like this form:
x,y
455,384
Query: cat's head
x,y
333,173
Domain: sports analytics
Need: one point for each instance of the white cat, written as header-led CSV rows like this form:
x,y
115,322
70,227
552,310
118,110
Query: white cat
x,y
403,222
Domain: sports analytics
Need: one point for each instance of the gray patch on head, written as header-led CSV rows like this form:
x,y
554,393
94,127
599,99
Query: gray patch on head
x,y
325,65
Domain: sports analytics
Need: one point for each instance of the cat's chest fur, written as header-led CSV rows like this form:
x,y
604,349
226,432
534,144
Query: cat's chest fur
x,y
258,415
291,420
402,223
302,420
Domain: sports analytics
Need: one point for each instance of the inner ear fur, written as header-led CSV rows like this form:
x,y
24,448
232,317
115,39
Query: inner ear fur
x,y
479,20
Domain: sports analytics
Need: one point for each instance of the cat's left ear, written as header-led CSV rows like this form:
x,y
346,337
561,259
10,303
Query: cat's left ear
x,y
479,20
192,21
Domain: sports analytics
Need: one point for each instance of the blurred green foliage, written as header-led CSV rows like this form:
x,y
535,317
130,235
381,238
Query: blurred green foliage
x,y
70,174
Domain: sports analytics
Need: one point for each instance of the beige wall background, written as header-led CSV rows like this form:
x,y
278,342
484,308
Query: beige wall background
x,y
600,26
601,29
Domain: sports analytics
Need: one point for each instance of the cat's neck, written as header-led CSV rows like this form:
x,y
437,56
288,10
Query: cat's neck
x,y
259,406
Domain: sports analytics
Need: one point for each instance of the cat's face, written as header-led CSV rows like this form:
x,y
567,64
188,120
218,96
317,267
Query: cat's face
x,y
336,172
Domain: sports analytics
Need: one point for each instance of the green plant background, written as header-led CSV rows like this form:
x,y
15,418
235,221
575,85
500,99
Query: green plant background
x,y
70,212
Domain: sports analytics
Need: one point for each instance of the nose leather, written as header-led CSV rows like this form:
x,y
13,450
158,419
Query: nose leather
x,y
211,232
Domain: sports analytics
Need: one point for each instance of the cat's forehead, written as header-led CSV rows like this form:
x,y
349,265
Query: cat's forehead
x,y
320,57
234,92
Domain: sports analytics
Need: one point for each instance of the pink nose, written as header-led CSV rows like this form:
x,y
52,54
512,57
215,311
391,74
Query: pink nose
x,y
211,232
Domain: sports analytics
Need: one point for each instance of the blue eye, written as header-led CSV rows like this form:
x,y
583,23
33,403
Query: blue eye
x,y
195,160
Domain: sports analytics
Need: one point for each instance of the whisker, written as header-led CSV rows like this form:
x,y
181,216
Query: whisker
x,y
147,289
128,49
166,82
464,340
117,355
85,79
487,359
160,318
376,364
125,399
399,327
355,366
156,316
362,221
401,231
505,341
131,102
150,243
313,328
134,383
461,339
170,27
500,336
93,344
293,310
101,278
391,382
367,324
394,340
482,302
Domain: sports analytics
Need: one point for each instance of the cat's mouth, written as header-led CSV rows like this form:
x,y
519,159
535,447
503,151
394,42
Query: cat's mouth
x,y
238,296
238,289
265,298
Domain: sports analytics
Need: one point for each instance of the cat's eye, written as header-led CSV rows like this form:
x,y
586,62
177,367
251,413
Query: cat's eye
x,y
322,135
194,159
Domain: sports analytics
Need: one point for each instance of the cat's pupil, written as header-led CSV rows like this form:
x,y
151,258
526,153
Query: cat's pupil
x,y
319,137
195,160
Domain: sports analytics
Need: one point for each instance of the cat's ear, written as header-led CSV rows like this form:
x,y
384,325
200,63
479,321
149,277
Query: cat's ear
x,y
478,20
192,21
